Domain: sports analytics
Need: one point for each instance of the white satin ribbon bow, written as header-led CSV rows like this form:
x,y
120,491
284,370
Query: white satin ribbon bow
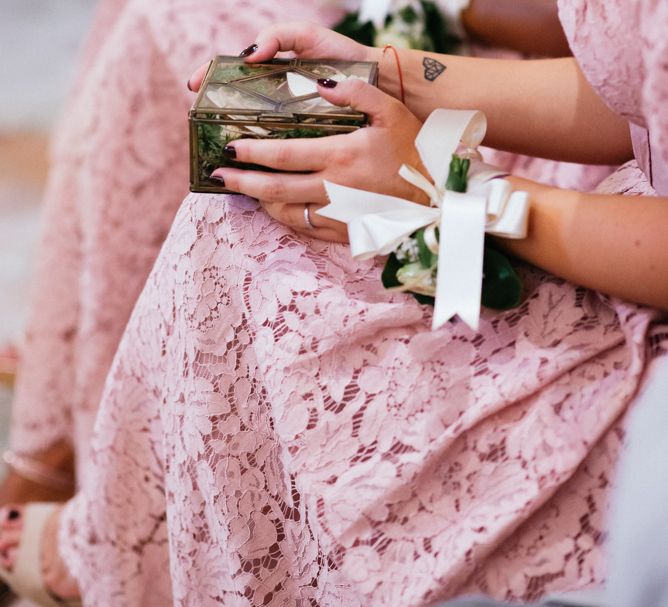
x,y
377,223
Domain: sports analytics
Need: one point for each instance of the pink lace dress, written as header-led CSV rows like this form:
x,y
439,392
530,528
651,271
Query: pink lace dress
x,y
119,173
277,430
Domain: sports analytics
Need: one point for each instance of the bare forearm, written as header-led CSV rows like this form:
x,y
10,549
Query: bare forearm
x,y
528,26
610,243
543,108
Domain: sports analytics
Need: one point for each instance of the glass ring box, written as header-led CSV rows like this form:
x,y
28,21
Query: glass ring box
x,y
273,100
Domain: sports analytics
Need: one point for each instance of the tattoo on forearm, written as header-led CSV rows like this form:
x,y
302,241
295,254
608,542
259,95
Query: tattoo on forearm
x,y
432,68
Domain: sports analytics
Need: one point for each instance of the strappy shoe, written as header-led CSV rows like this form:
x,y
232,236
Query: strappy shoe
x,y
25,579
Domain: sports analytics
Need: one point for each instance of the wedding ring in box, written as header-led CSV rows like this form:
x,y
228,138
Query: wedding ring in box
x,y
273,100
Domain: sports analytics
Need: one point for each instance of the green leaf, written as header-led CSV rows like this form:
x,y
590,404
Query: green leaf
x,y
424,299
408,15
426,257
458,175
298,133
501,286
436,36
389,275
352,27
389,279
436,29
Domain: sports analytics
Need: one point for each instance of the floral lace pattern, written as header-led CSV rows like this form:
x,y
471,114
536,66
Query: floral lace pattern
x,y
285,433
629,74
275,429
117,179
119,173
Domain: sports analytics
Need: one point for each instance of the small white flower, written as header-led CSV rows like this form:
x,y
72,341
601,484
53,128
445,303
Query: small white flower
x,y
400,33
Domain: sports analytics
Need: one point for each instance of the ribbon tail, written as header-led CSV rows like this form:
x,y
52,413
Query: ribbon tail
x,y
460,259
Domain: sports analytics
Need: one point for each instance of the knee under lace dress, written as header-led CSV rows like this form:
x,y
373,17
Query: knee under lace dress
x,y
277,430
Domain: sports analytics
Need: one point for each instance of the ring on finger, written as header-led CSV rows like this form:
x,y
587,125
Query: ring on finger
x,y
307,217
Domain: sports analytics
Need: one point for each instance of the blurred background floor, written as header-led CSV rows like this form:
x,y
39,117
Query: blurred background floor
x,y
39,42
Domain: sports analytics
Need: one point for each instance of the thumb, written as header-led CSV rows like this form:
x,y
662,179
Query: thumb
x,y
381,108
195,81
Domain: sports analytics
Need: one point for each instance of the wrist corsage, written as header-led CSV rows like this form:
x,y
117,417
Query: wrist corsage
x,y
440,252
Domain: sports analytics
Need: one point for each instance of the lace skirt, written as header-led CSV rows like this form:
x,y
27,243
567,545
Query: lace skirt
x,y
278,430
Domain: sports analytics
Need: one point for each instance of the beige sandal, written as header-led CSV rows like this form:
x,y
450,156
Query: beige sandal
x,y
25,579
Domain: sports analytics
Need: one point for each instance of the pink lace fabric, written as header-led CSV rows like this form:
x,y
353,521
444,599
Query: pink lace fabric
x,y
277,430
644,102
119,173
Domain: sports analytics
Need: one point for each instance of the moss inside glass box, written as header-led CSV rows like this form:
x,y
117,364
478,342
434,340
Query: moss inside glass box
x,y
273,100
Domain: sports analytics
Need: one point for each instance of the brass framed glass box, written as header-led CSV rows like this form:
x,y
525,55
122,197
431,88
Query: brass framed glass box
x,y
273,100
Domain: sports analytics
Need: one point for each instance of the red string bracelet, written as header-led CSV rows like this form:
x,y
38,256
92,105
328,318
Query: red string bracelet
x,y
401,77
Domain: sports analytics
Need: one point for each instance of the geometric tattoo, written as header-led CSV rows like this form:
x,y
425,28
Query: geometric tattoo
x,y
432,68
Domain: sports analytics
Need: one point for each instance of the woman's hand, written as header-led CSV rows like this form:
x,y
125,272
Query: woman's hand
x,y
368,159
306,41
303,39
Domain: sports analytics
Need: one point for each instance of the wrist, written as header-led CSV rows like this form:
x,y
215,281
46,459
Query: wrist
x,y
390,79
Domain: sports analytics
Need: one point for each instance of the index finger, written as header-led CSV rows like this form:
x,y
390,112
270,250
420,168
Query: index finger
x,y
305,154
297,36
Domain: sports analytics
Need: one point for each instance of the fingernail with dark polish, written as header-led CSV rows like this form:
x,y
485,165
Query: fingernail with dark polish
x,y
217,178
13,514
248,51
229,151
188,85
328,83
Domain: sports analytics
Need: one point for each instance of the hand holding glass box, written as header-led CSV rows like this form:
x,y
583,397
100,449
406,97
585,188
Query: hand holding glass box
x,y
273,100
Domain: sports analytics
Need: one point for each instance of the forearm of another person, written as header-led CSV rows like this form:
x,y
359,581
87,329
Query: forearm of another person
x,y
610,243
528,26
544,108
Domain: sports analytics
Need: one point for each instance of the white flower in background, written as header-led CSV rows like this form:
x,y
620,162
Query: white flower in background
x,y
399,34
408,35
407,27
452,12
375,11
